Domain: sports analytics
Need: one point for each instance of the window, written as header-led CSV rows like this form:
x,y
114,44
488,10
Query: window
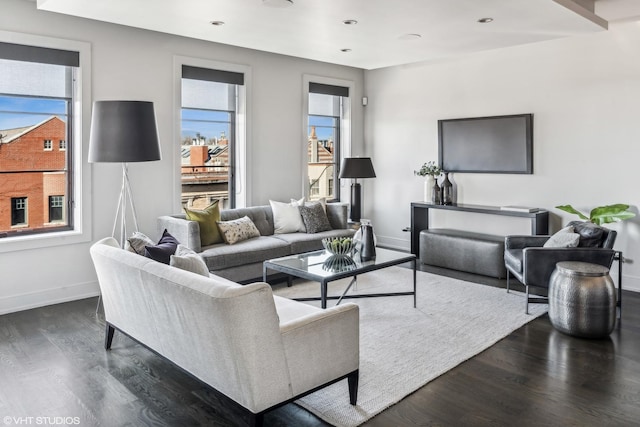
x,y
56,208
18,211
327,104
37,100
210,102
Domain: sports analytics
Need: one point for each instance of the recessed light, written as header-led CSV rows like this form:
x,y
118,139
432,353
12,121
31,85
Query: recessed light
x,y
349,22
485,20
410,36
277,3
217,23
345,50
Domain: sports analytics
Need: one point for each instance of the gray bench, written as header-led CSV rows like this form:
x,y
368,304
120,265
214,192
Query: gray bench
x,y
464,251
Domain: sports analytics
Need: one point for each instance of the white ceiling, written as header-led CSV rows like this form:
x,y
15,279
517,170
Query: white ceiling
x,y
314,29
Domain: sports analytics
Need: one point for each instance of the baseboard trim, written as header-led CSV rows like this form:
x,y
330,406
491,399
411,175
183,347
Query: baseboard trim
x,y
27,301
393,243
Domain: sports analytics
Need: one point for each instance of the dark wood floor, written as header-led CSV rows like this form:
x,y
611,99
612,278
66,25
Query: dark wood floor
x,y
52,363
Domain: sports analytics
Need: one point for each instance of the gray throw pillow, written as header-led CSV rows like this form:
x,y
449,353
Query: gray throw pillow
x,y
137,242
315,218
564,238
187,259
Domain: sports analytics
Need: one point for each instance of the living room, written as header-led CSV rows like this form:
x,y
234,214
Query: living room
x,y
582,90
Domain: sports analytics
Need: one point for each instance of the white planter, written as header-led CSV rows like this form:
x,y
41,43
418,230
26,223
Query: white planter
x,y
429,182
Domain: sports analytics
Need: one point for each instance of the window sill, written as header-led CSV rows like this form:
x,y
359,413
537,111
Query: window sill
x,y
44,240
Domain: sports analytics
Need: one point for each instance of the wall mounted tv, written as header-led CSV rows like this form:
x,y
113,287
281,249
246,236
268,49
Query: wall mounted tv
x,y
500,144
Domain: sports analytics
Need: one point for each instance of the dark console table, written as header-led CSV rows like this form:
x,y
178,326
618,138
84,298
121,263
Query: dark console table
x,y
420,218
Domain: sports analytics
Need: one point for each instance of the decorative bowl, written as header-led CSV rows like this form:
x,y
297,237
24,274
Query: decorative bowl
x,y
339,263
338,245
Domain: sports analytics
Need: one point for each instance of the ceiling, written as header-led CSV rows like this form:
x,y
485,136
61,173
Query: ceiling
x,y
385,32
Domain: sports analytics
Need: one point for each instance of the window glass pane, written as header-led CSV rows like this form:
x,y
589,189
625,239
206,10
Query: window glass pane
x,y
34,155
205,151
322,149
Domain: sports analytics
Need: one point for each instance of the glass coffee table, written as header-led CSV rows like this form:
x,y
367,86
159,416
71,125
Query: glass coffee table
x,y
321,266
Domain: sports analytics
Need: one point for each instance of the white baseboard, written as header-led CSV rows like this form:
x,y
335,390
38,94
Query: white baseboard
x,y
630,283
393,243
31,300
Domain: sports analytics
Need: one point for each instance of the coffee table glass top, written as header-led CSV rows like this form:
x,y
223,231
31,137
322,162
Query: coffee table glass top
x,y
321,264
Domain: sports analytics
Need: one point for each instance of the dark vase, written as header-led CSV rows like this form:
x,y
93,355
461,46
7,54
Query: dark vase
x,y
368,246
447,190
435,193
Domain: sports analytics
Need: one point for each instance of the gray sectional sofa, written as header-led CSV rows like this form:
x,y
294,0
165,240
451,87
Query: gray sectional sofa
x,y
242,261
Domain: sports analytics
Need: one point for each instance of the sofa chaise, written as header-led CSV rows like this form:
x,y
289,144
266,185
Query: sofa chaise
x,y
242,261
259,350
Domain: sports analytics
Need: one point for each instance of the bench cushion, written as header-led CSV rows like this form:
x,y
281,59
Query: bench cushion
x,y
464,251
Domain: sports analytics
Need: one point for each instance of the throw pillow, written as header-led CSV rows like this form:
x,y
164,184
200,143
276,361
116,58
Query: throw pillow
x,y
187,259
314,217
207,220
163,250
286,218
301,202
137,242
564,238
590,234
238,230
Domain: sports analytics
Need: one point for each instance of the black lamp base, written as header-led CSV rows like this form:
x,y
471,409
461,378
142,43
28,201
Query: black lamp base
x,y
355,202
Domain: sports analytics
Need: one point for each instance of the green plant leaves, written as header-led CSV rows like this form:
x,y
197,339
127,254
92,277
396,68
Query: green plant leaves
x,y
572,210
602,214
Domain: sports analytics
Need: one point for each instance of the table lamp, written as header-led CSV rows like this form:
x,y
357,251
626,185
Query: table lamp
x,y
356,167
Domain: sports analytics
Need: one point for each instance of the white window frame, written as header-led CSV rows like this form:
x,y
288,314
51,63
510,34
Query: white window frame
x,y
82,225
346,136
48,145
242,130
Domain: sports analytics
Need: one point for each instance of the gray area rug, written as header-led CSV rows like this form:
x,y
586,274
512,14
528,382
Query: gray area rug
x,y
402,348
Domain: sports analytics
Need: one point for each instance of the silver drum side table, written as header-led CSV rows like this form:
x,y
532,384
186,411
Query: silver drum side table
x,y
582,299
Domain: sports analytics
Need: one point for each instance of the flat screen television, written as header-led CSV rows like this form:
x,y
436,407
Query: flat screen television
x,y
500,144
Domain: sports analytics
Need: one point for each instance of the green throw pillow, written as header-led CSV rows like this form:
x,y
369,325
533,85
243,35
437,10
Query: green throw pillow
x,y
207,220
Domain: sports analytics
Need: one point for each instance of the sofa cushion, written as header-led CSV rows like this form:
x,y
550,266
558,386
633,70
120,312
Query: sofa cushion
x,y
238,230
162,252
286,218
314,217
303,242
207,219
289,309
254,250
262,217
187,259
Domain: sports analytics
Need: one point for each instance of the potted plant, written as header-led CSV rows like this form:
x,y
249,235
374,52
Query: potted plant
x,y
430,171
591,230
602,214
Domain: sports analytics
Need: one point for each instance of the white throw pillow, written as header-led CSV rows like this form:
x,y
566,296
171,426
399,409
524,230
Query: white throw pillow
x,y
187,259
286,218
565,238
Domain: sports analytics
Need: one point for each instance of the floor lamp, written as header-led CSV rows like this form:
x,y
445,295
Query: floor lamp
x,y
123,132
356,167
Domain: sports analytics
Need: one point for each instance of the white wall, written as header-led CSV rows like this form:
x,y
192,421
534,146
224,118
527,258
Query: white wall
x,y
584,93
135,64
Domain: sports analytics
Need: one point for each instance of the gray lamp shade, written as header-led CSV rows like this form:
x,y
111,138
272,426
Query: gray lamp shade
x,y
357,167
123,131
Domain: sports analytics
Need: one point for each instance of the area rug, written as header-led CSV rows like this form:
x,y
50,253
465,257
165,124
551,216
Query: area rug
x,y
402,348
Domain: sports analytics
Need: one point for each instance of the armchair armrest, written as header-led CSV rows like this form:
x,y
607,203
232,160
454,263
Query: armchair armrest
x,y
521,242
539,263
185,231
322,346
